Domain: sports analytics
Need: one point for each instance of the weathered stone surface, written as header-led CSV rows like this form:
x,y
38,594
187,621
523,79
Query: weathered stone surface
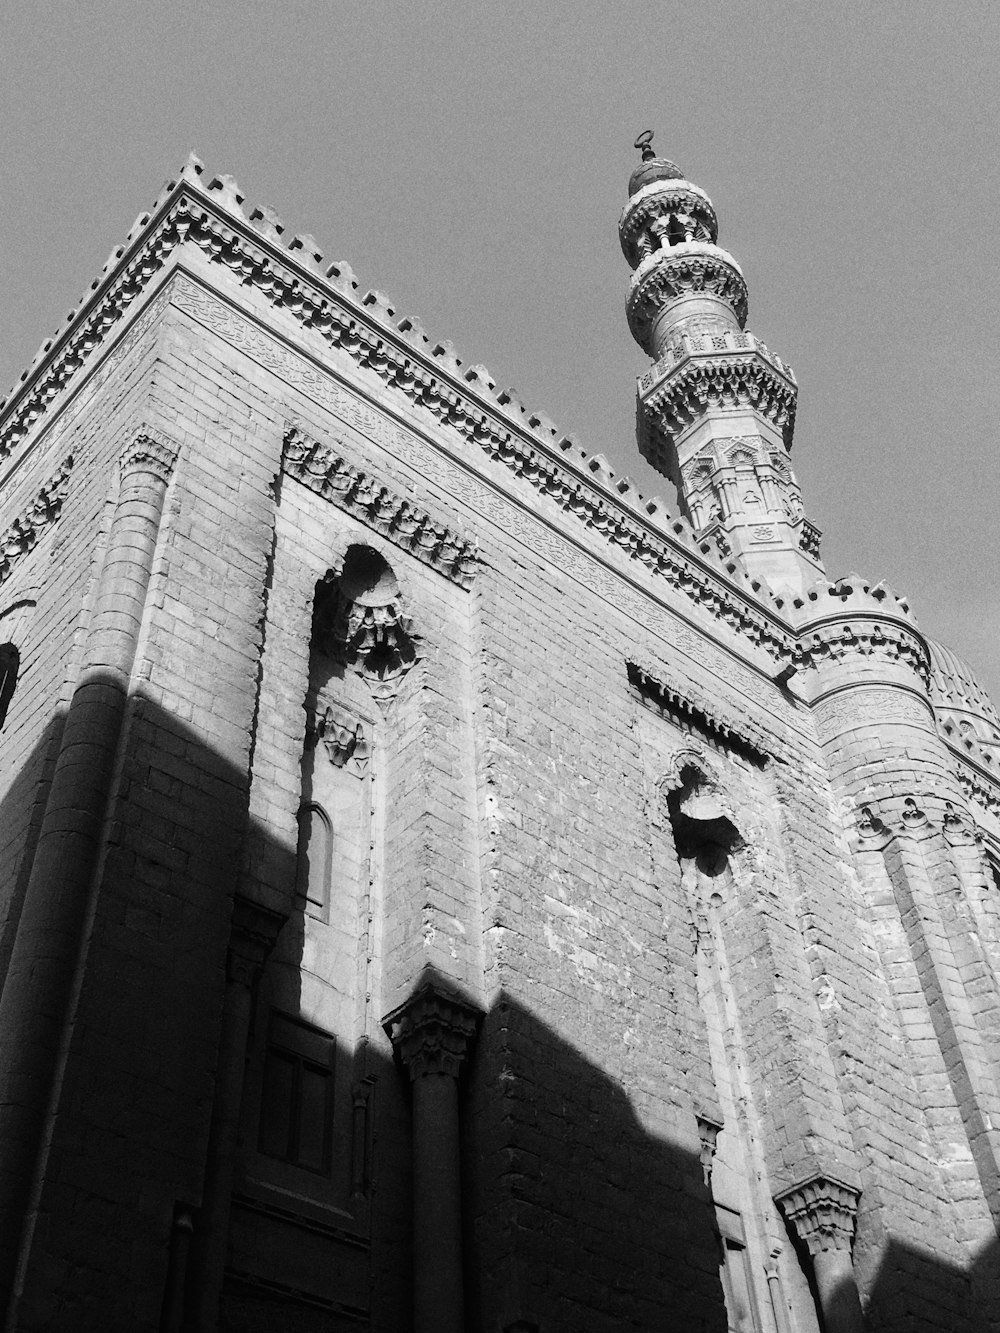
x,y
657,875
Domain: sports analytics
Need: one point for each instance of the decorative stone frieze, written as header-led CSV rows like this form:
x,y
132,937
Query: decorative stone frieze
x,y
34,521
329,475
823,1212
432,1032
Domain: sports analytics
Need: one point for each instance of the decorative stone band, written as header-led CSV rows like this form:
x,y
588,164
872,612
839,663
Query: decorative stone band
x,y
253,934
432,1032
682,346
823,1212
147,453
31,524
329,475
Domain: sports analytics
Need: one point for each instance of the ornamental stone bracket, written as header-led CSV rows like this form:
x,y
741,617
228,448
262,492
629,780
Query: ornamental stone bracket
x,y
432,1032
823,1212
35,519
331,476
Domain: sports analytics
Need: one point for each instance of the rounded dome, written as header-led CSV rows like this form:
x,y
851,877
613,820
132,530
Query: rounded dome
x,y
959,699
653,169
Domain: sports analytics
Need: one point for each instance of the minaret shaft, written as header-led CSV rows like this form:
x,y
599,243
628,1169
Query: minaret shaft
x,y
717,409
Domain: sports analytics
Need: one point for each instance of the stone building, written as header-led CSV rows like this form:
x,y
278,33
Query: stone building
x,y
443,889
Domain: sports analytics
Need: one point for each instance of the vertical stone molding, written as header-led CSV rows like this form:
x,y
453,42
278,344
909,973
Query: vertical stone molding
x,y
254,933
822,1212
49,947
432,1034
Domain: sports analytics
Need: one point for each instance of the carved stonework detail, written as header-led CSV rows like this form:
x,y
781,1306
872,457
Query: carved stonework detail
x,y
823,1212
708,1136
146,453
377,640
253,934
432,1032
342,735
690,707
328,474
31,524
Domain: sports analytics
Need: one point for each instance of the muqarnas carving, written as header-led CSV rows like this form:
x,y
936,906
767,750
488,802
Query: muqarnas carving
x,y
360,622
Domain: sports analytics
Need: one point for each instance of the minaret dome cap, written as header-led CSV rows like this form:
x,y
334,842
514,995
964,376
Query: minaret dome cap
x,y
651,168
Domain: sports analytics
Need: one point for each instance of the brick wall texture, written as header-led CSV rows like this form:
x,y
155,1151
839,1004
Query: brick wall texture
x,y
692,940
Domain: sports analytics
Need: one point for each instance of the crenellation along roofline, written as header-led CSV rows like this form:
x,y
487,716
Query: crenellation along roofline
x,y
250,242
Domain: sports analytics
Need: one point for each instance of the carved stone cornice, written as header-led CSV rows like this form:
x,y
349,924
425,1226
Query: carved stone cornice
x,y
147,453
432,1032
253,934
823,1212
693,708
33,521
327,473
838,640
212,218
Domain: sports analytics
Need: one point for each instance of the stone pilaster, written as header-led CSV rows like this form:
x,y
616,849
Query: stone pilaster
x,y
254,933
51,940
432,1035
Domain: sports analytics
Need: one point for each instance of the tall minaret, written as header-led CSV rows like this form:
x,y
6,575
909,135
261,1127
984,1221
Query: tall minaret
x,y
716,410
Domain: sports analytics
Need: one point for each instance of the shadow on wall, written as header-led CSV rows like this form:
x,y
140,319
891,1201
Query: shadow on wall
x,y
575,1217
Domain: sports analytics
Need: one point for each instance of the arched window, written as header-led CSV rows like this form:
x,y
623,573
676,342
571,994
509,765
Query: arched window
x,y
10,660
315,860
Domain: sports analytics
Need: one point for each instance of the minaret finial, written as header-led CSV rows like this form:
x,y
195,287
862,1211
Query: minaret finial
x,y
644,142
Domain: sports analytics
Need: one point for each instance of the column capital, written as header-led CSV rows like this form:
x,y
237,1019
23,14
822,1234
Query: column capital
x,y
253,934
147,453
823,1212
432,1032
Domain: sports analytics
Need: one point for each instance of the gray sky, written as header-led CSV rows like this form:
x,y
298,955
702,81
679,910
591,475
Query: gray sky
x,y
470,160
